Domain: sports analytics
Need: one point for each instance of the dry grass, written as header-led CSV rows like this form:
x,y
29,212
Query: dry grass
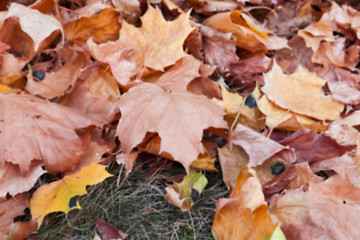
x,y
138,207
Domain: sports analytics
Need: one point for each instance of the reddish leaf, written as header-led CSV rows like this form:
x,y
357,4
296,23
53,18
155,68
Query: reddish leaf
x,y
107,231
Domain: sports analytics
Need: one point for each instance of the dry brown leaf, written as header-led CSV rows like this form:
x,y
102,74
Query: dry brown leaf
x,y
55,84
9,209
245,37
177,77
13,182
116,55
277,117
103,26
157,43
179,118
301,93
254,144
32,128
316,33
36,24
244,215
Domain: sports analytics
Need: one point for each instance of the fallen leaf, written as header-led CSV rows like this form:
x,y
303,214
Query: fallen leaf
x,y
13,182
208,6
57,83
253,143
185,194
244,215
116,55
331,204
9,209
35,24
245,36
301,93
277,117
177,116
312,147
56,196
32,128
158,43
315,33
108,231
102,26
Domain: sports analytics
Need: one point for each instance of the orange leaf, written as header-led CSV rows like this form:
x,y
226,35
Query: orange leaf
x,y
244,215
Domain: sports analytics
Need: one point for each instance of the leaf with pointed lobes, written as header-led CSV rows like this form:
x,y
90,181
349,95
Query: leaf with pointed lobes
x,y
62,195
32,128
301,92
244,215
185,194
179,118
158,43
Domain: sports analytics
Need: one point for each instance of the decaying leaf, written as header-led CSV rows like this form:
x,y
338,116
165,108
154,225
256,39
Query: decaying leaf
x,y
56,196
185,194
108,231
179,118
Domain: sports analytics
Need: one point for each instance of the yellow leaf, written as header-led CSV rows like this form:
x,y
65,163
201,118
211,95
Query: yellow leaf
x,y
56,196
301,92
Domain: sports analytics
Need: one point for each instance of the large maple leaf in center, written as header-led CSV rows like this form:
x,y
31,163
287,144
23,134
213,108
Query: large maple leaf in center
x,y
178,117
158,43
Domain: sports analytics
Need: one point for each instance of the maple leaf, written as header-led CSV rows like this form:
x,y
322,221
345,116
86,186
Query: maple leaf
x,y
184,194
301,93
158,43
179,118
36,25
32,128
13,182
244,215
56,196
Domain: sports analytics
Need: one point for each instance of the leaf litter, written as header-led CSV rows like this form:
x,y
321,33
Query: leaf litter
x,y
263,95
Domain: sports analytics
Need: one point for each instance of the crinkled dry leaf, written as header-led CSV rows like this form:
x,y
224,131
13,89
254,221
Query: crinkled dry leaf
x,y
301,93
158,43
32,128
179,118
316,33
56,196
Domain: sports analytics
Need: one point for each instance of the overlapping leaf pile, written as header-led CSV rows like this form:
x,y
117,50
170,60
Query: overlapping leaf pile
x,y
278,80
